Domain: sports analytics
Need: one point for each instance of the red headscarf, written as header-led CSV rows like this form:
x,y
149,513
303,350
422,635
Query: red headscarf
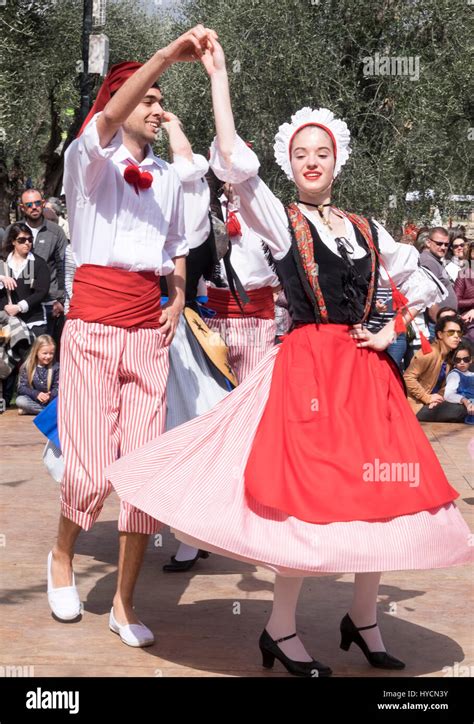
x,y
114,80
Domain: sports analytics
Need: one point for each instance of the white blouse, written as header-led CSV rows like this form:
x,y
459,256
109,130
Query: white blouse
x,y
111,224
266,215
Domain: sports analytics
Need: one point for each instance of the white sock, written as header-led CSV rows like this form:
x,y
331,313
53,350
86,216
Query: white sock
x,y
185,552
282,621
363,610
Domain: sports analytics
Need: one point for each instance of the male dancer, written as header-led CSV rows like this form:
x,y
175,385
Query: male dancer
x,y
127,227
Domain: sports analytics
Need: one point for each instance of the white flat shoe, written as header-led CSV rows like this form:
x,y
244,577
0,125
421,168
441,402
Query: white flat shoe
x,y
132,634
64,602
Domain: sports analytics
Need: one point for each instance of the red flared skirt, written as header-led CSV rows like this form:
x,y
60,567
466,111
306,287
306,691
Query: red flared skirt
x,y
337,440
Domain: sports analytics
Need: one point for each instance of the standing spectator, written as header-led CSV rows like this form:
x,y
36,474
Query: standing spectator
x,y
464,288
421,241
25,281
49,242
432,259
455,256
54,203
39,377
24,284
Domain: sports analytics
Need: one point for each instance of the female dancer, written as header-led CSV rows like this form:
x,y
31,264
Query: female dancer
x,y
307,453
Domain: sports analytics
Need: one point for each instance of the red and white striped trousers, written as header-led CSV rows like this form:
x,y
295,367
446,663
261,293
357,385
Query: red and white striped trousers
x,y
112,400
248,340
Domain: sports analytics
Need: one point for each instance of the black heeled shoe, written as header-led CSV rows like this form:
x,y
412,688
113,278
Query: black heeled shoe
x,y
380,659
271,651
177,566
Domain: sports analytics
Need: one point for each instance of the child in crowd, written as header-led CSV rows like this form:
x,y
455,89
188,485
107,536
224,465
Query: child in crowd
x,y
39,377
460,381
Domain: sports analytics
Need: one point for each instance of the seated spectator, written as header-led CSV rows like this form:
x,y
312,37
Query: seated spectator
x,y
24,283
425,377
39,377
460,381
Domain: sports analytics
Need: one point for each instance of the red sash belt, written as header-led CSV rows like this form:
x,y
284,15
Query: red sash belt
x,y
261,303
116,297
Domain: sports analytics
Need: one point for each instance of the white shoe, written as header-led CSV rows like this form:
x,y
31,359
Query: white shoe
x,y
64,602
132,634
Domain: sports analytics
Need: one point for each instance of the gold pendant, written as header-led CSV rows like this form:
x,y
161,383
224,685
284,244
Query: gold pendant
x,y
322,217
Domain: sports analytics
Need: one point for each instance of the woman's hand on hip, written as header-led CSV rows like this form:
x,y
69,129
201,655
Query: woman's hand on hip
x,y
364,338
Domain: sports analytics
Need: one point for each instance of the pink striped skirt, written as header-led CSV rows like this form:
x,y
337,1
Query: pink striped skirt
x,y
192,479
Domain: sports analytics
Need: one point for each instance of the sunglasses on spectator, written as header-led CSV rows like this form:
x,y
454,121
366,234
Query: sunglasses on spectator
x,y
439,243
452,332
30,204
24,239
458,246
457,360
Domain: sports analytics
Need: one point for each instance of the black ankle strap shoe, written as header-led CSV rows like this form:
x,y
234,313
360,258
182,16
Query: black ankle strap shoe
x,y
380,659
271,651
177,566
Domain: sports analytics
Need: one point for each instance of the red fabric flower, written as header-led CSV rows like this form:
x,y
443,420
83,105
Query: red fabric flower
x,y
132,174
145,180
233,224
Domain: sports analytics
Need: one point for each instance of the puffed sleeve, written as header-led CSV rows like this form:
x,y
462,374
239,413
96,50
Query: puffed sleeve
x,y
402,261
190,170
261,210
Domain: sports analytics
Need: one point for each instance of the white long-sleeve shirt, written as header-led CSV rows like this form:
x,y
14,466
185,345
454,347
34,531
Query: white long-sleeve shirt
x,y
111,224
196,196
452,384
266,215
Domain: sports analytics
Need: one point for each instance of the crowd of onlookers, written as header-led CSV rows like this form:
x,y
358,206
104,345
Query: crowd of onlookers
x,y
440,384
34,295
37,269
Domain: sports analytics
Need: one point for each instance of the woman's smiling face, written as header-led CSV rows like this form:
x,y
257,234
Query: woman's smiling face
x,y
312,160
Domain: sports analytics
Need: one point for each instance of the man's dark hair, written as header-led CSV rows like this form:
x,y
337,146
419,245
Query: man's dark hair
x,y
33,189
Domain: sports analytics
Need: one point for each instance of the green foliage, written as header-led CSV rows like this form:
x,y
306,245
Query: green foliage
x,y
281,56
407,134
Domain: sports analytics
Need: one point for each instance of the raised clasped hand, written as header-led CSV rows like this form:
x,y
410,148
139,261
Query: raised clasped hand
x,y
190,46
